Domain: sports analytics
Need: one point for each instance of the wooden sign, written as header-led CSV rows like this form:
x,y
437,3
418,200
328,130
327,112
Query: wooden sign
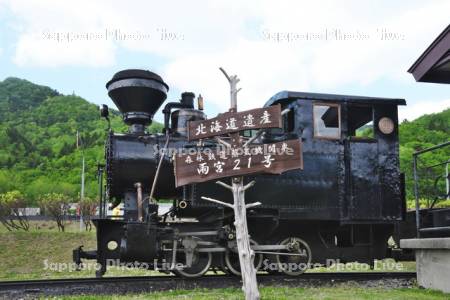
x,y
200,165
229,122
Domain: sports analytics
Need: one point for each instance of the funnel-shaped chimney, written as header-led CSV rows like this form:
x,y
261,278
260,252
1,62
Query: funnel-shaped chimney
x,y
138,94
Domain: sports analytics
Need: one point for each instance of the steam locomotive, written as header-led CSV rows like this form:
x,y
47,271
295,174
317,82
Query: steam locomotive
x,y
344,204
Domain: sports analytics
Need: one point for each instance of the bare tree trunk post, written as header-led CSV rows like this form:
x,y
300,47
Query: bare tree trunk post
x,y
246,254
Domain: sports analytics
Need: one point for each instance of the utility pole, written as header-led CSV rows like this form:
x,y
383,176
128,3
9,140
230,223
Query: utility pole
x,y
79,144
82,193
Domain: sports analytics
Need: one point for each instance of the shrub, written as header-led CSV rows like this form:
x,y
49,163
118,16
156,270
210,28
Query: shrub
x,y
87,210
12,211
56,206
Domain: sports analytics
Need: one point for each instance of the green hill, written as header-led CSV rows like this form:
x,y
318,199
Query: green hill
x,y
39,154
38,148
424,132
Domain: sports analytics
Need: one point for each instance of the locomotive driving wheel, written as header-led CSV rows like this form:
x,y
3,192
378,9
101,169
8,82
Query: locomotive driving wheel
x,y
194,263
201,261
232,259
297,257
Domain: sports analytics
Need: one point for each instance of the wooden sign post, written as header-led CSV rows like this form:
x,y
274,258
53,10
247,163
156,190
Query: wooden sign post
x,y
239,158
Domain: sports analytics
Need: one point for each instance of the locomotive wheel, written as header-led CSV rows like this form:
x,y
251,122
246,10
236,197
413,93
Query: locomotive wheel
x,y
201,261
232,260
294,265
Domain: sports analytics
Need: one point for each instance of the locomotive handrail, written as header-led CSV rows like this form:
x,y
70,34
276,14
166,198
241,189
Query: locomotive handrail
x,y
155,180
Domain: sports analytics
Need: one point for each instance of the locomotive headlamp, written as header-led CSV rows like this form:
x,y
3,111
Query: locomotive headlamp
x,y
104,113
386,125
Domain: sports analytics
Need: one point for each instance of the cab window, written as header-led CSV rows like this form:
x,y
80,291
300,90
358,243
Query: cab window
x,y
287,121
360,122
327,120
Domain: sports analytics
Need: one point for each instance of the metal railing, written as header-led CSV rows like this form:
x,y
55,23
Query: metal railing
x,y
431,177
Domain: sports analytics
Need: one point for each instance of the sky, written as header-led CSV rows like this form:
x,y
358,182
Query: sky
x,y
340,47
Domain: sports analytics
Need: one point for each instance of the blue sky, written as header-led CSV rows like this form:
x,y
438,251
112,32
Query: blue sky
x,y
360,47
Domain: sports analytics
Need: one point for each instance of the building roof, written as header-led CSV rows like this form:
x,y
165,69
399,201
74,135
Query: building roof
x,y
434,64
332,97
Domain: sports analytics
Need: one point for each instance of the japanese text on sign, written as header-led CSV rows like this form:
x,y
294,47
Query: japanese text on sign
x,y
208,164
269,117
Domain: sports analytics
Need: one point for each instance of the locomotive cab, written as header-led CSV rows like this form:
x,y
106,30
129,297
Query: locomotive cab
x,y
350,153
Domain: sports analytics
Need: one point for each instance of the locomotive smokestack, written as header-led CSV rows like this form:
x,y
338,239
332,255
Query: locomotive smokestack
x,y
138,94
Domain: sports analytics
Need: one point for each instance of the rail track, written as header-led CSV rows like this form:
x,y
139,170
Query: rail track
x,y
141,284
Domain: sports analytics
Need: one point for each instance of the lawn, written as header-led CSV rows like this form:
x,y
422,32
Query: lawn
x,y
343,291
23,254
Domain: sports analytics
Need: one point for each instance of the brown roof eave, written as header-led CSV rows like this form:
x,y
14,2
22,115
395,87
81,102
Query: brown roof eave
x,y
431,56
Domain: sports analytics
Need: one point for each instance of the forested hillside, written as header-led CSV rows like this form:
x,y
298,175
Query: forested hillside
x,y
38,140
425,132
39,154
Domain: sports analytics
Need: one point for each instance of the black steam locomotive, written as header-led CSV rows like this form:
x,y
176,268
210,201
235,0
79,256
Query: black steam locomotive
x,y
344,204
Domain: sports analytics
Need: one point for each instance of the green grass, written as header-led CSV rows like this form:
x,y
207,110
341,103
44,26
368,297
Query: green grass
x,y
22,254
342,291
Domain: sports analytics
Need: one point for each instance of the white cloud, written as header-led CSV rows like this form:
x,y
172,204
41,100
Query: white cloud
x,y
415,110
267,67
38,24
229,34
33,50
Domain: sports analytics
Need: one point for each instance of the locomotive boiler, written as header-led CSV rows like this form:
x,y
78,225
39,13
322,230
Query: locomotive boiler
x,y
343,205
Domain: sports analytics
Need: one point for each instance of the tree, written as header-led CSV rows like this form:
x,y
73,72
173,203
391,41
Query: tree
x,y
7,181
87,210
12,211
38,139
56,206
